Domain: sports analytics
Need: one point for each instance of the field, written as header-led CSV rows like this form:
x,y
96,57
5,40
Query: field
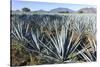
x,y
52,38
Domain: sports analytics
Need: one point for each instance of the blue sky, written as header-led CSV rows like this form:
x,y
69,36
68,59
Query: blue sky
x,y
18,5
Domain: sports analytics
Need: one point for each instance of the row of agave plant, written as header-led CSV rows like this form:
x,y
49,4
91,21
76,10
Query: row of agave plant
x,y
57,38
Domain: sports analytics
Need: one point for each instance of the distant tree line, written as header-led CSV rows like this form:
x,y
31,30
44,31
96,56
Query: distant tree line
x,y
64,12
25,9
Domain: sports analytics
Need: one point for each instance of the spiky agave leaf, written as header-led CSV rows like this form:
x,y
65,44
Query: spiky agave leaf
x,y
35,39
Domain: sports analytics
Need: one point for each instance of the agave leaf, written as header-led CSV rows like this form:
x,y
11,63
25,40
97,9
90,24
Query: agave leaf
x,y
68,47
16,30
48,49
27,27
76,44
35,40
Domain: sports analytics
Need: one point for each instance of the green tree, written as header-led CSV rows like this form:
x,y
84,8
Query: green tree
x,y
80,11
26,9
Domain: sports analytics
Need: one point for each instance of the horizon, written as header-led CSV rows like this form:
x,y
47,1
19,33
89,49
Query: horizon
x,y
34,6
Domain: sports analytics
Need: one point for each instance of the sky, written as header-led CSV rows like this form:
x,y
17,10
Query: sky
x,y
33,5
